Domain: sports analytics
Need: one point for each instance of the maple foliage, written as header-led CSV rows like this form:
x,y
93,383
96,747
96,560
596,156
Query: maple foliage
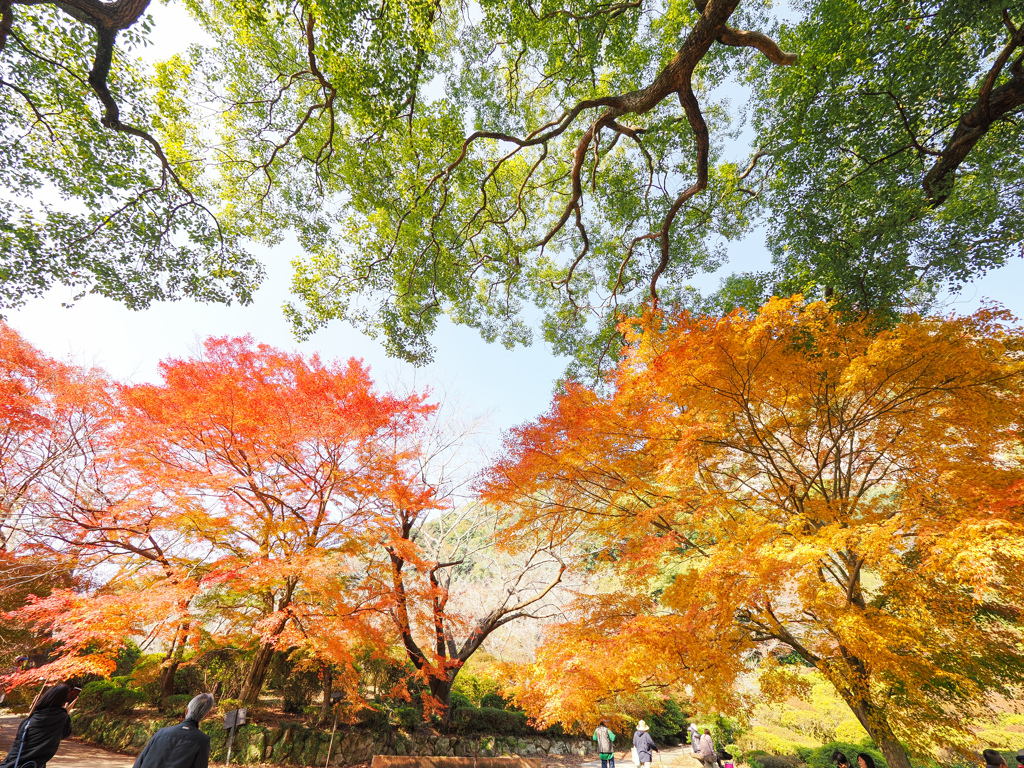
x,y
42,422
274,461
790,479
264,499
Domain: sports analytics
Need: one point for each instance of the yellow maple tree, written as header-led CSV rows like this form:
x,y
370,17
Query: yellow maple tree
x,y
788,480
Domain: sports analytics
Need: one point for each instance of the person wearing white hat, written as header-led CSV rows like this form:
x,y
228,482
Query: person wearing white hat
x,y
643,746
694,738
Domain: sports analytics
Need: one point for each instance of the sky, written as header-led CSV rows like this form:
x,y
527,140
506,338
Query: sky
x,y
484,380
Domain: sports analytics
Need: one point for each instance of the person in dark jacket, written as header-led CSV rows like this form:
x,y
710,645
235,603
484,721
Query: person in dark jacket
x,y
644,744
39,734
182,745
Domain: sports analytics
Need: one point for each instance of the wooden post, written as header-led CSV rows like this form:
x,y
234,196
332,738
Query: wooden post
x,y
335,698
233,719
231,739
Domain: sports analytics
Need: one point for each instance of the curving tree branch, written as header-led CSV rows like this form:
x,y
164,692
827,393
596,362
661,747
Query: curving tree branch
x,y
991,105
675,79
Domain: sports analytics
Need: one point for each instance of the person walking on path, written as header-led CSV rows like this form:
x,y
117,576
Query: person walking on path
x,y
39,735
708,756
644,745
182,745
605,745
694,738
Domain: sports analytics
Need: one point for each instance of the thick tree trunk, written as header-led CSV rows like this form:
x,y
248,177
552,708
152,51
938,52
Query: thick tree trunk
x,y
172,660
442,691
873,720
325,707
253,683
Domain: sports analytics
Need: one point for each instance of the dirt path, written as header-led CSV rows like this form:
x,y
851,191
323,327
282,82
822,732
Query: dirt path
x,y
72,753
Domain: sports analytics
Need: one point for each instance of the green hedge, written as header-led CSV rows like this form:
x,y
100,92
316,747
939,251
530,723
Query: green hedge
x,y
489,720
111,696
493,701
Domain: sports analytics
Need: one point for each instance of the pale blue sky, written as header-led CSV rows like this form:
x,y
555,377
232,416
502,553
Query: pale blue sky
x,y
511,386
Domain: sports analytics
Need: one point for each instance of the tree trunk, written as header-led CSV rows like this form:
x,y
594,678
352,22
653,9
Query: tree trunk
x,y
170,664
253,683
874,722
325,707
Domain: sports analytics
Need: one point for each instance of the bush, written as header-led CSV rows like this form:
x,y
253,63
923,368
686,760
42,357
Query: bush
x,y
110,696
669,725
176,705
408,717
775,761
459,700
804,753
126,658
489,720
822,756
724,729
373,716
554,731
494,701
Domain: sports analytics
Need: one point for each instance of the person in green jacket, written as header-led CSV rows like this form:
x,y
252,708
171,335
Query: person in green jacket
x,y
605,745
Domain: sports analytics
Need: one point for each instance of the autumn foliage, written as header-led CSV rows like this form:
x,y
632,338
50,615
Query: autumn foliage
x,y
788,481
252,502
743,489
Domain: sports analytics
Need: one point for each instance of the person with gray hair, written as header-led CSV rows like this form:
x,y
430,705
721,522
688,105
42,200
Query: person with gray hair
x,y
182,745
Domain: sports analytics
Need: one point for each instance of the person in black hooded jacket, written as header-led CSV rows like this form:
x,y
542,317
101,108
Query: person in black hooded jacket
x,y
40,733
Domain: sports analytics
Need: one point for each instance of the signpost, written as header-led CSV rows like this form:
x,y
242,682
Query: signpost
x,y
233,719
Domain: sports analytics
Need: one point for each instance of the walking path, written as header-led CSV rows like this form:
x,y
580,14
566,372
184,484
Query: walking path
x,y
676,757
72,753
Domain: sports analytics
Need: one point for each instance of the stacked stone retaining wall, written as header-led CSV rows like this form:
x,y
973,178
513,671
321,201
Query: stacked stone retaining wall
x,y
297,744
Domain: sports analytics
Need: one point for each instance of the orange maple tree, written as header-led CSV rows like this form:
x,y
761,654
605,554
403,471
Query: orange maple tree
x,y
277,462
789,478
43,418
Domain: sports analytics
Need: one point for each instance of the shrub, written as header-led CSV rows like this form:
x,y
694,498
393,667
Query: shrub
x,y
474,686
373,716
176,705
127,657
669,725
408,717
764,760
822,756
494,701
804,753
489,720
724,730
110,696
459,700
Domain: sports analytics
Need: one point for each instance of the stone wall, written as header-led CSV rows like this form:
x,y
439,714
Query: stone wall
x,y
296,744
